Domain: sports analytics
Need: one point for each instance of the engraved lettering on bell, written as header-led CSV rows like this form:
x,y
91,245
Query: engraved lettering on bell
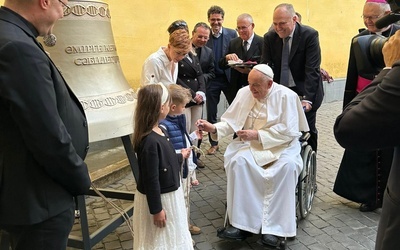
x,y
91,10
91,67
96,48
78,10
85,104
110,101
102,12
120,99
130,97
96,104
67,11
96,60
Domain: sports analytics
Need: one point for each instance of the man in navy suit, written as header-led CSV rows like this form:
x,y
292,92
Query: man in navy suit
x,y
219,41
247,47
43,132
304,61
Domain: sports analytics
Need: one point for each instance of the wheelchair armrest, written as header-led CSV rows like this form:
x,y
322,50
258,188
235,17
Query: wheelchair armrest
x,y
304,137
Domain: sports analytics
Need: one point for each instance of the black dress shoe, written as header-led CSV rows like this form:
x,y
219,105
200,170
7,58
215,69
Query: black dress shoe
x,y
366,207
271,240
233,233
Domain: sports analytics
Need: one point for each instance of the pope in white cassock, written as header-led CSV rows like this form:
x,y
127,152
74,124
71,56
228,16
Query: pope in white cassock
x,y
263,163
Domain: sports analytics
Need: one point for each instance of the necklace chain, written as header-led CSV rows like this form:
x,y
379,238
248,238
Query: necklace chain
x,y
254,118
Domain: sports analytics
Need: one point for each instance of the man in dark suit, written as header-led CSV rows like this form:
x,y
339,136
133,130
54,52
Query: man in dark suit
x,y
200,36
219,41
44,136
247,47
303,62
371,121
357,78
362,175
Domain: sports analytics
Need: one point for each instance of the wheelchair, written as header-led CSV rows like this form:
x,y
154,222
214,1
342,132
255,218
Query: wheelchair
x,y
305,189
306,184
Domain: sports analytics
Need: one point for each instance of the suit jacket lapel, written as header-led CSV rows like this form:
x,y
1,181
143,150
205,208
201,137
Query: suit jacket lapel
x,y
253,48
240,49
295,41
190,64
225,41
278,45
202,56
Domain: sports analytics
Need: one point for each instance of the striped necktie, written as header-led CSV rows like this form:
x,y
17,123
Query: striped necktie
x,y
285,63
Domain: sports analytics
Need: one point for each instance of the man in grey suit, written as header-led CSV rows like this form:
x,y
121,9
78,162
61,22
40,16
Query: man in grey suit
x,y
247,47
219,41
43,132
371,121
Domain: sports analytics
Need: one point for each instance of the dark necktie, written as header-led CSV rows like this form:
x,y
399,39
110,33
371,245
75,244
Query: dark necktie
x,y
285,63
245,50
198,52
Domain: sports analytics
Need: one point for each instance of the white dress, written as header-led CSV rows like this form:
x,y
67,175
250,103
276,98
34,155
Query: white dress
x,y
175,235
262,175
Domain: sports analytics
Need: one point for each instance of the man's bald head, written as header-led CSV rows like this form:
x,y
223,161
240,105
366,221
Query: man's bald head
x,y
42,14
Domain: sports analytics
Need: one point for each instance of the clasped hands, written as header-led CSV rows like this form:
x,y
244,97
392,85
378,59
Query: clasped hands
x,y
198,99
244,135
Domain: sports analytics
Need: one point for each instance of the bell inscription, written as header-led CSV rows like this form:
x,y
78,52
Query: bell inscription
x,y
86,54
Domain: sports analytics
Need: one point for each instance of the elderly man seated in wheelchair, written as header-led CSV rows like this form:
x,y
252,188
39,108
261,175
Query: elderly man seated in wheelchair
x,y
263,162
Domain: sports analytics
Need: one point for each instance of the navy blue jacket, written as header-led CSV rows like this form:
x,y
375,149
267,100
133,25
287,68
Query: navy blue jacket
x,y
176,128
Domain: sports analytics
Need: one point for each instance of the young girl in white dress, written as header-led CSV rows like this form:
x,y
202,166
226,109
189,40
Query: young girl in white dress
x,y
159,217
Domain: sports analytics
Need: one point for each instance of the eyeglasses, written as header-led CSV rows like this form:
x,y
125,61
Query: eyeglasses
x,y
370,17
65,7
243,28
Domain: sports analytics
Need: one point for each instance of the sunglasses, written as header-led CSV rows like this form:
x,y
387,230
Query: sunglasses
x,y
177,25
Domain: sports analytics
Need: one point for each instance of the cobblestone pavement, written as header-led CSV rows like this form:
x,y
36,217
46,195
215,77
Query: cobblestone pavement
x,y
334,222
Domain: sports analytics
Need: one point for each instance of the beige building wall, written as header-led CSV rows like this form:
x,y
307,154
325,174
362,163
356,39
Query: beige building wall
x,y
139,27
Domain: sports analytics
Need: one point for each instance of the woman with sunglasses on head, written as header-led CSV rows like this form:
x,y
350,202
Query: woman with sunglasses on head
x,y
162,65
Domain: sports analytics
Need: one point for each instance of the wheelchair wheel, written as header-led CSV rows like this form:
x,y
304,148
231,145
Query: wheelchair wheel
x,y
307,181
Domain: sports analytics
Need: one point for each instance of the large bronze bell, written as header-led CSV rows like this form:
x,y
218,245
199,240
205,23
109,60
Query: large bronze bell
x,y
86,55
